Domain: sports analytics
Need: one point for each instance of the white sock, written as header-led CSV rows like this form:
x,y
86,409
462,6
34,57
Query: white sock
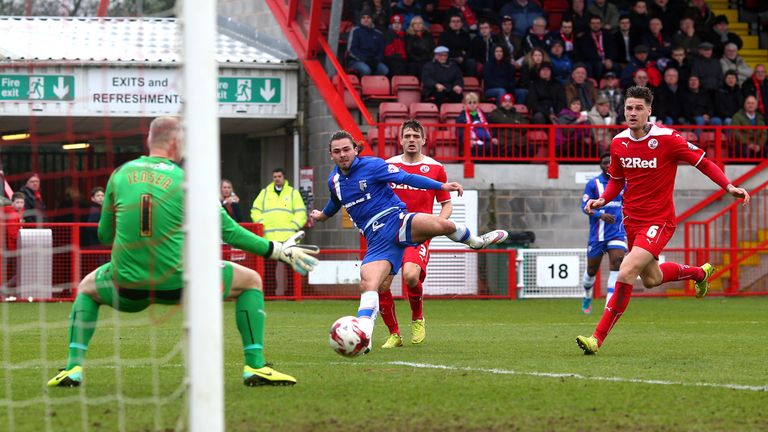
x,y
587,282
464,235
368,311
611,285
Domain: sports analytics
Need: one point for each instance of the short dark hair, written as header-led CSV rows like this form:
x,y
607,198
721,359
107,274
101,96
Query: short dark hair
x,y
17,195
277,170
604,155
341,134
96,189
412,124
640,93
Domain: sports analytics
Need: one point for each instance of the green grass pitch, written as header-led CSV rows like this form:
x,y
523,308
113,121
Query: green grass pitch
x,y
669,365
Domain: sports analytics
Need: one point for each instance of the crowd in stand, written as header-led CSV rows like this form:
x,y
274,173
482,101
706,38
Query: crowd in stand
x,y
680,49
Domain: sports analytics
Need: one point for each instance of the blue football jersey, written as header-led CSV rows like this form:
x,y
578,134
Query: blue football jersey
x,y
598,229
366,193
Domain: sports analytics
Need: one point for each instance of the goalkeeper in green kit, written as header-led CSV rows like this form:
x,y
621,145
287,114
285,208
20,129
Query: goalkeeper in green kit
x,y
142,217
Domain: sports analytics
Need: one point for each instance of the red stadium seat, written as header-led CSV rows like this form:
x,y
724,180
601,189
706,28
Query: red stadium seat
x,y
436,30
522,109
487,107
390,141
392,112
444,145
449,111
348,101
406,88
472,84
425,112
376,87
689,136
538,139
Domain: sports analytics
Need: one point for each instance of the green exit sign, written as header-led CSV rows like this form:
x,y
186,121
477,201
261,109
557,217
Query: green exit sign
x,y
250,90
37,87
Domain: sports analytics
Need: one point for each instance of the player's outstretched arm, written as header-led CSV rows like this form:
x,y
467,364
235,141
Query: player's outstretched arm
x,y
738,192
614,188
711,170
453,186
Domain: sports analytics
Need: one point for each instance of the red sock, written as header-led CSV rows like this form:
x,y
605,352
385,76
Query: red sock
x,y
616,306
387,311
675,272
417,304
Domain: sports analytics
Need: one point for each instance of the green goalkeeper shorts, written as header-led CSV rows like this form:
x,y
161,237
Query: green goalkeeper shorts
x,y
136,300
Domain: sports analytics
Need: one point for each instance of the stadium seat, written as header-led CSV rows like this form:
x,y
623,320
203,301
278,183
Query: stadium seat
x,y
538,139
392,112
522,109
376,87
390,140
449,111
472,84
443,145
406,88
425,112
689,136
348,101
487,107
436,30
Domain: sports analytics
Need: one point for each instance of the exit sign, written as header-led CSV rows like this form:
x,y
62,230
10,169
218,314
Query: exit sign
x,y
249,90
37,87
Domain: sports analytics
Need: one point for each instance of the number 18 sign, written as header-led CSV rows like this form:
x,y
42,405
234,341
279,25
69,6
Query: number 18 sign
x,y
557,271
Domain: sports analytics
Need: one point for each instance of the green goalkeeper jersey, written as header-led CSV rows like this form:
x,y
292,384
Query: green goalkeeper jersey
x,y
142,217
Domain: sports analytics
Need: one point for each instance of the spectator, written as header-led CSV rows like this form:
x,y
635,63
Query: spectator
x,y
537,36
707,68
659,44
607,12
669,99
482,45
602,115
624,41
701,14
482,142
441,79
513,43
580,88
409,9
562,66
757,86
750,143
595,48
640,18
280,209
669,14
366,47
612,92
419,46
394,47
523,12
686,37
529,72
572,142
545,97
577,14
564,34
90,237
71,208
498,75
719,36
485,9
680,62
698,105
640,78
459,43
461,8
511,140
13,216
728,98
640,61
230,201
34,207
380,13
731,60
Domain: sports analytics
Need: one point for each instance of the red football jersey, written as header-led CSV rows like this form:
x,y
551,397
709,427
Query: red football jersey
x,y
415,199
649,167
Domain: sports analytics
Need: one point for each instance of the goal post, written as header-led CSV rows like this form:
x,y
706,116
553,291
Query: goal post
x,y
203,312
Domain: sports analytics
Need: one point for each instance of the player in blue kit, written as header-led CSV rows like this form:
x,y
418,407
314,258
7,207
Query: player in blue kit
x,y
606,235
362,186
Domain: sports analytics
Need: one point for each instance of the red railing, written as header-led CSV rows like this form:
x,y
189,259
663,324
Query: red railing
x,y
734,239
556,144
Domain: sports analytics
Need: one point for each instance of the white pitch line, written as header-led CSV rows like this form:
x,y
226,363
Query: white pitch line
x,y
579,377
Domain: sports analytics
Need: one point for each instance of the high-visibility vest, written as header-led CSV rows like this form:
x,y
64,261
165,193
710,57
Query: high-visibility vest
x,y
282,215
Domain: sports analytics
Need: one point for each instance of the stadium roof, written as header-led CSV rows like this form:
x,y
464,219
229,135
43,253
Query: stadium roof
x,y
127,40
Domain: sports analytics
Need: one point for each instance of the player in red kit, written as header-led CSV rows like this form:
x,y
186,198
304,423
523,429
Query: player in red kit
x,y
645,158
415,258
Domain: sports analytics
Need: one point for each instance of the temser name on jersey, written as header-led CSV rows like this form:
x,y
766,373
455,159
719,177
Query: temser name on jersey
x,y
150,177
635,162
358,201
404,186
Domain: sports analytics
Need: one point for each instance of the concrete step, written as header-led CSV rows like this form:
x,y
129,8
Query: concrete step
x,y
751,42
753,260
762,235
740,28
718,4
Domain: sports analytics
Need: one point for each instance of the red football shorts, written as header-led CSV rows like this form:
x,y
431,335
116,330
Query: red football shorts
x,y
418,255
650,236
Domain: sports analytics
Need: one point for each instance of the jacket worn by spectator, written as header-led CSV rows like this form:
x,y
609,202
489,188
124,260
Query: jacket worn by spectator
x,y
366,44
282,214
743,71
751,141
728,100
545,97
481,49
609,13
752,87
499,74
459,43
586,93
34,207
509,138
419,47
669,104
434,72
522,16
709,71
697,103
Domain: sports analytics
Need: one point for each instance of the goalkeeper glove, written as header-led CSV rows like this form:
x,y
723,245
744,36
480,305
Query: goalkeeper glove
x,y
300,257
